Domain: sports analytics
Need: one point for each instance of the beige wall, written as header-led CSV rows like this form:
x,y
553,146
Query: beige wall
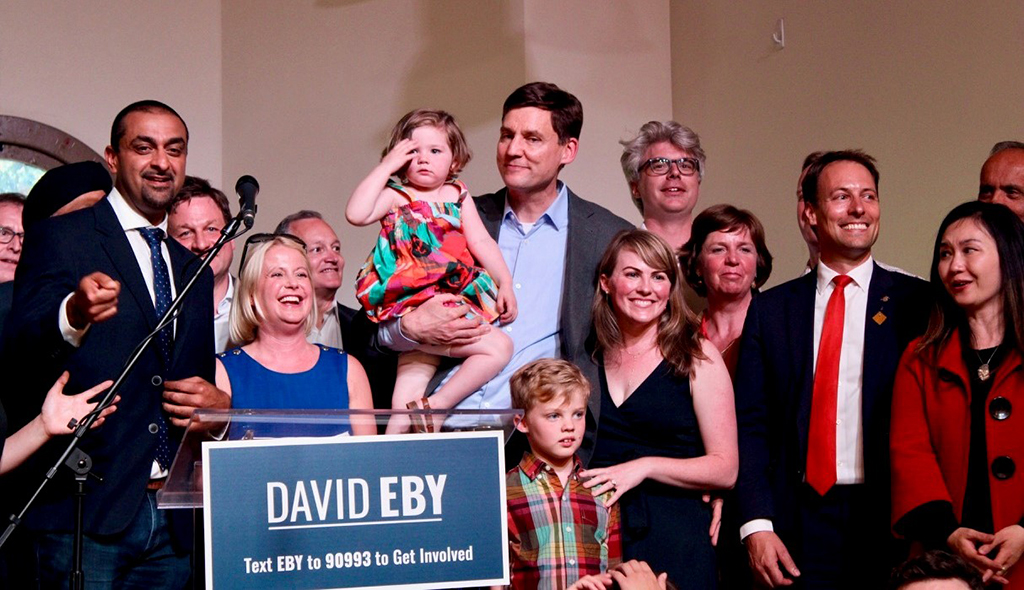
x,y
302,94
311,90
74,65
925,87
616,60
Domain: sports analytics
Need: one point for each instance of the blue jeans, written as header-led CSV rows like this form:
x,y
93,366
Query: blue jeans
x,y
141,556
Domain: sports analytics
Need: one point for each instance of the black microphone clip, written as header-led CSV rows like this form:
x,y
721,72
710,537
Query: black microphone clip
x,y
247,188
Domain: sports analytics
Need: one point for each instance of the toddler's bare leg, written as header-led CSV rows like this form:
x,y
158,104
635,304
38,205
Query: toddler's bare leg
x,y
415,369
484,360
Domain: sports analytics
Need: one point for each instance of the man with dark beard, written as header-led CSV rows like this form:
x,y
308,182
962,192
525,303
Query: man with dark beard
x,y
91,285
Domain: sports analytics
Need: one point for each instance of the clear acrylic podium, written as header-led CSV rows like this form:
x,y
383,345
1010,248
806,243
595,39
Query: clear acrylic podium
x,y
184,487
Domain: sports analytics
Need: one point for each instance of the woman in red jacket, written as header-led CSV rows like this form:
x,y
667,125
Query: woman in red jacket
x,y
958,401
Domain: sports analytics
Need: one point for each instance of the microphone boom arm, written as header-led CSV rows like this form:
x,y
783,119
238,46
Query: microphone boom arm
x,y
230,232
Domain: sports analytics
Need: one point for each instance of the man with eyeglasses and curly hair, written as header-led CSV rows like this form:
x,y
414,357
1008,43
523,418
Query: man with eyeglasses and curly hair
x,y
664,166
11,233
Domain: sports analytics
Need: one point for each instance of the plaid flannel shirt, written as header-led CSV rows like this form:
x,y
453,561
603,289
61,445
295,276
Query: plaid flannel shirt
x,y
557,535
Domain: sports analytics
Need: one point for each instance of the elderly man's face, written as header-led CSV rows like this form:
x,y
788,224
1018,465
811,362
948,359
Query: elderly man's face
x,y
149,163
1002,180
10,253
670,195
324,251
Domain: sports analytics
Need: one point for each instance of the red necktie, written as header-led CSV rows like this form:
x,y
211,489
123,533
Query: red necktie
x,y
821,439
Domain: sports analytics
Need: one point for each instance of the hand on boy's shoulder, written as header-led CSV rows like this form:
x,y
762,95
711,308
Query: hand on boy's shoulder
x,y
593,582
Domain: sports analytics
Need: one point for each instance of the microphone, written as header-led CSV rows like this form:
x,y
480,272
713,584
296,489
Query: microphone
x,y
247,188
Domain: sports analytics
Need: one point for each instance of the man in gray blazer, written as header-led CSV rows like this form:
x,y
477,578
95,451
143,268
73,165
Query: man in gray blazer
x,y
551,240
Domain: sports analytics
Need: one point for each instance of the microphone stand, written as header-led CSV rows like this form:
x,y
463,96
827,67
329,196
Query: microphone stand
x,y
76,459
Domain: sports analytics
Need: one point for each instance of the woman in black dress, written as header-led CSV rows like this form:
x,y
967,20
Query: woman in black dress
x,y
667,430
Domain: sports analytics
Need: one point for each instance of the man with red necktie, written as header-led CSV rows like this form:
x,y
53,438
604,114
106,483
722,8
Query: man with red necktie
x,y
818,356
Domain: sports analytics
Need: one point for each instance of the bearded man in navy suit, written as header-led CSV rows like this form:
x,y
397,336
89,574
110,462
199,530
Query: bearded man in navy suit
x,y
818,356
91,286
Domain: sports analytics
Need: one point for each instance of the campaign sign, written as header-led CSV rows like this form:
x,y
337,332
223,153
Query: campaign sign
x,y
408,511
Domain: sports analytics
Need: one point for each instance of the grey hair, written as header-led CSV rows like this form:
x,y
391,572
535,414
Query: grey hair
x,y
654,132
282,228
1002,146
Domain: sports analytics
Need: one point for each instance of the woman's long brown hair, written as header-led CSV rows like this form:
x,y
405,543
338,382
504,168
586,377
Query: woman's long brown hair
x,y
679,339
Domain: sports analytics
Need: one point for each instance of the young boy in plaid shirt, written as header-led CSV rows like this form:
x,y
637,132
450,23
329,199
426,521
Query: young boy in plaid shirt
x,y
558,530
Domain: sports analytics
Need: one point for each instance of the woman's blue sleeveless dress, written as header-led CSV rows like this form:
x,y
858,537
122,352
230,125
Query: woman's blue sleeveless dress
x,y
255,387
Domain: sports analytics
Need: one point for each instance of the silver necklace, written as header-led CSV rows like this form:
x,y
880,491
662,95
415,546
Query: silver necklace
x,y
631,367
983,371
636,355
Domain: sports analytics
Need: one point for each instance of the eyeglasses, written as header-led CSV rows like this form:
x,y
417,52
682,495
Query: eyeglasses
x,y
256,239
7,234
661,166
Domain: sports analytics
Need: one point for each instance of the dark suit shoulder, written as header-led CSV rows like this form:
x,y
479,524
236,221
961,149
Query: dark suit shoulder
x,y
600,216
905,291
86,215
911,300
780,294
6,301
906,282
68,226
498,195
494,203
346,314
490,202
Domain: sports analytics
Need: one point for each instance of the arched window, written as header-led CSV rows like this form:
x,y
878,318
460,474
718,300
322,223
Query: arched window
x,y
29,148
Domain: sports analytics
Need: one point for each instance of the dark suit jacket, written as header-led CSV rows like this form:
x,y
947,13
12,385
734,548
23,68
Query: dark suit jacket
x,y
6,300
59,252
357,337
774,382
6,297
591,227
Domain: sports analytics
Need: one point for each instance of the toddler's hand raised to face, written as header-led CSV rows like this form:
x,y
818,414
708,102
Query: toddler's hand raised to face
x,y
403,153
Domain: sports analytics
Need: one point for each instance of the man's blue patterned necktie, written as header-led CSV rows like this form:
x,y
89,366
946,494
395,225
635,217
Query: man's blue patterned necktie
x,y
164,340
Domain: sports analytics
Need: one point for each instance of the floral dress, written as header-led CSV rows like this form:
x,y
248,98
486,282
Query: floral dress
x,y
421,252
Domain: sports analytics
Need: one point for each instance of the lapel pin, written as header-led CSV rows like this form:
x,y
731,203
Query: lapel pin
x,y
879,318
885,298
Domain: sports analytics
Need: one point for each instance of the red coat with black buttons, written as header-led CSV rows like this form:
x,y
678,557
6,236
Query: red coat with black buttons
x,y
931,431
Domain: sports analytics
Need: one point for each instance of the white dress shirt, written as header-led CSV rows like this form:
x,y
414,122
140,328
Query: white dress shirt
x,y
849,406
221,317
849,409
131,221
328,334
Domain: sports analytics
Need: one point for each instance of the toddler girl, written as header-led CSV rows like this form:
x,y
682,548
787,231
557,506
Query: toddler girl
x,y
431,242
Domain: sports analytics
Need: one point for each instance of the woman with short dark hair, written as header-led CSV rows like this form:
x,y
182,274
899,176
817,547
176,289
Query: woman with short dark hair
x,y
726,260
